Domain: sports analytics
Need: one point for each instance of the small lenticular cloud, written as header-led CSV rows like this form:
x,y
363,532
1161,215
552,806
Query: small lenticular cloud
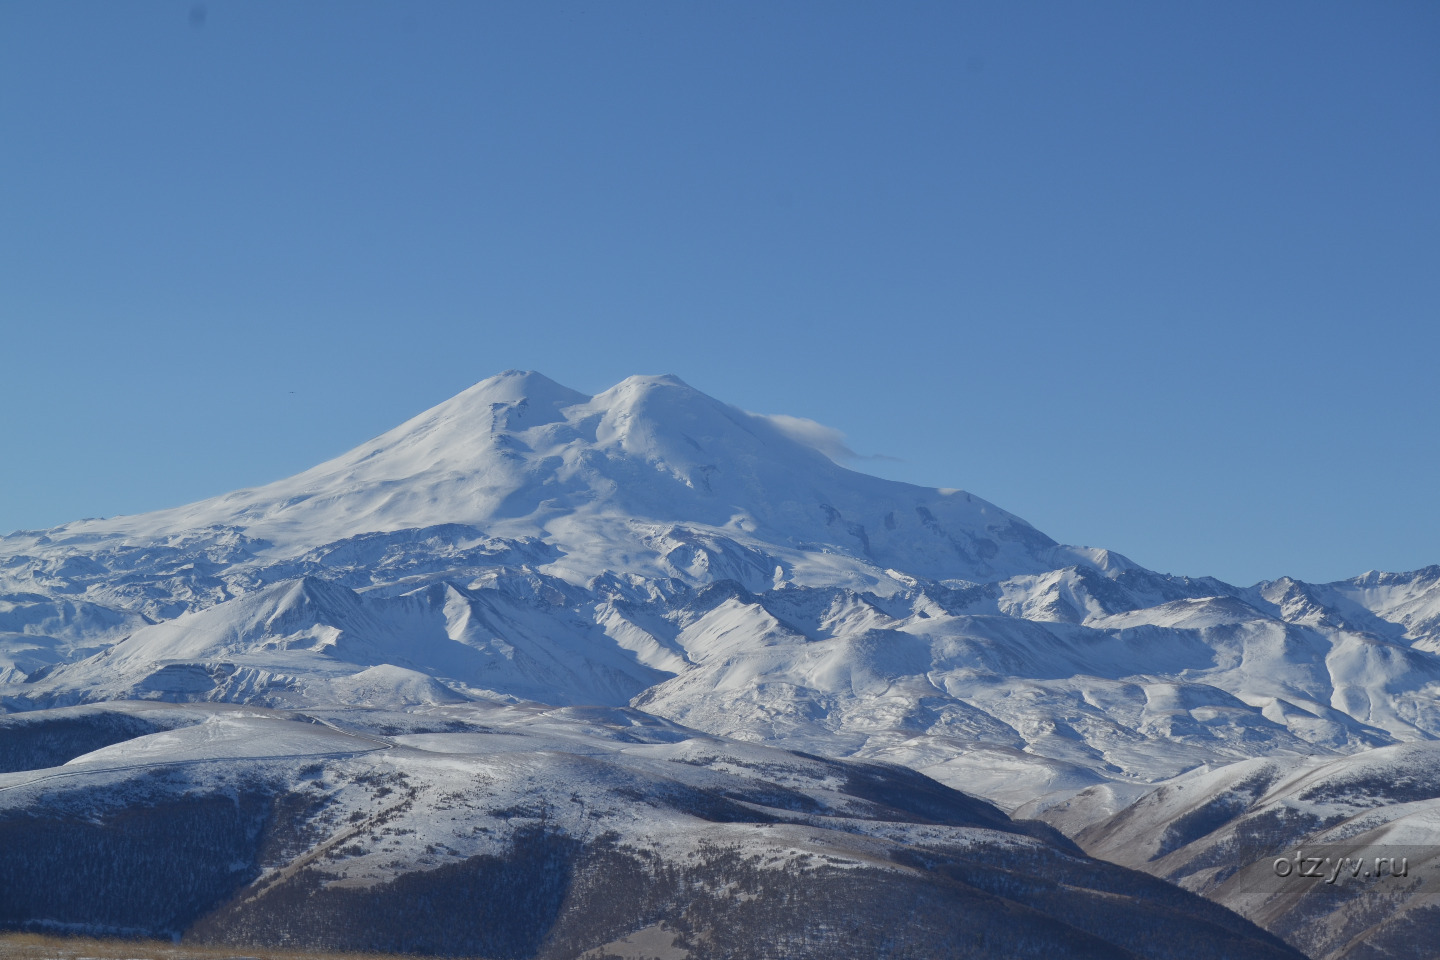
x,y
817,436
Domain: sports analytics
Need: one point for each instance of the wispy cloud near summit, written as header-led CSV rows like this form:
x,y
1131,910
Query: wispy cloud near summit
x,y
827,440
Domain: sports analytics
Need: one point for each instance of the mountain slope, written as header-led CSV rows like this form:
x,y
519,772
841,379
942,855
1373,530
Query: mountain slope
x,y
522,832
1362,826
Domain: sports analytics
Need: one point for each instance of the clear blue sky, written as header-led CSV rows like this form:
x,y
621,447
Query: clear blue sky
x,y
1159,277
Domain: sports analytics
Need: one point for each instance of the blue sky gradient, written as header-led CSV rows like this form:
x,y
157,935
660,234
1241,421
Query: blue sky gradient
x,y
1163,278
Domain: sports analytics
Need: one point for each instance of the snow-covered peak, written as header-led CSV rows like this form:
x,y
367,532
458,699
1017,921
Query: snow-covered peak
x,y
514,385
613,481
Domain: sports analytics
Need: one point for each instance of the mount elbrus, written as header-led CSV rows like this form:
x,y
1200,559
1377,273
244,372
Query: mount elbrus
x,y
538,674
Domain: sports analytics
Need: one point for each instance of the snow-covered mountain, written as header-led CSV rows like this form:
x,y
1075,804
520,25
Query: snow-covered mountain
x,y
655,549
613,482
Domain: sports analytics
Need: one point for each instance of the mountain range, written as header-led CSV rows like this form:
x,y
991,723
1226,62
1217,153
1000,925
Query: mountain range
x,y
651,580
